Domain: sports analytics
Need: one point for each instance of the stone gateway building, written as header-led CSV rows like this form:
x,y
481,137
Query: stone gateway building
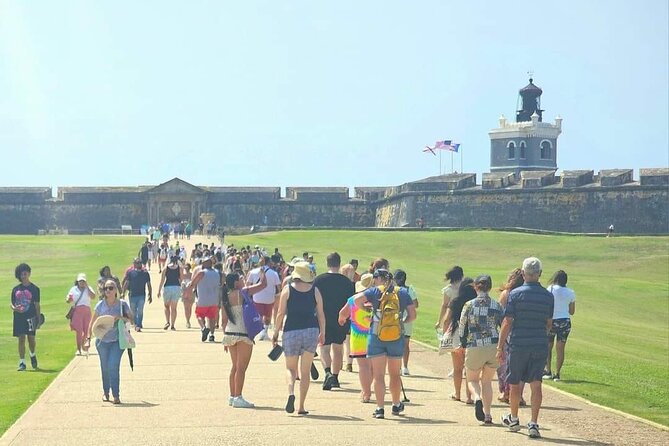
x,y
521,190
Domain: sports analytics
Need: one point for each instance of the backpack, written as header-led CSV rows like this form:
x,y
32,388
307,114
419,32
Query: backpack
x,y
252,319
389,326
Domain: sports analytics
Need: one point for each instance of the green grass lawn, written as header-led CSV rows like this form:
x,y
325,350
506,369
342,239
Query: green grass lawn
x,y
55,262
618,351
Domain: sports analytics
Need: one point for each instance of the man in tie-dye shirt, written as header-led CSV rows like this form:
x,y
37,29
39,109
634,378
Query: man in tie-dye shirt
x,y
25,303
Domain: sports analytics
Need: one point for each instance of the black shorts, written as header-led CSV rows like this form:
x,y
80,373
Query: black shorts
x,y
526,365
560,328
24,325
334,333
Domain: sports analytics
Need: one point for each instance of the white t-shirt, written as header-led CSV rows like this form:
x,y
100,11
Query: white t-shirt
x,y
75,292
266,296
563,296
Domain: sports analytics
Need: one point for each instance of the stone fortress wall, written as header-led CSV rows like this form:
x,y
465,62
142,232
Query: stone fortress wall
x,y
576,201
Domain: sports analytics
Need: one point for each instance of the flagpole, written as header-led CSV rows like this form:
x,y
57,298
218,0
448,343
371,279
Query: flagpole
x,y
440,162
451,162
462,170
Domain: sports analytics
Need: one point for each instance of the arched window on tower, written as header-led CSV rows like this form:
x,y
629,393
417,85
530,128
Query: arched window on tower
x,y
522,147
546,150
511,149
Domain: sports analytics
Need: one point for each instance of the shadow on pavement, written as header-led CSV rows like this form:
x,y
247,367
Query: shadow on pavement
x,y
142,404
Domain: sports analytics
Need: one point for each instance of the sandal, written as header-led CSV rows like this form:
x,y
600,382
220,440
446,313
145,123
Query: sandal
x,y
503,399
522,403
469,402
455,398
167,325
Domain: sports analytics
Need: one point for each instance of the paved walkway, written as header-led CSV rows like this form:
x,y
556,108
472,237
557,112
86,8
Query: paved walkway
x,y
177,395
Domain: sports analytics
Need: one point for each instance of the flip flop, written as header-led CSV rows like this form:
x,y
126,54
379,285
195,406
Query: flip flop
x,y
455,398
303,412
290,405
469,402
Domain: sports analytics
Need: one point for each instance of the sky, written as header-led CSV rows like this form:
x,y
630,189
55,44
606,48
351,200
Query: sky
x,y
315,93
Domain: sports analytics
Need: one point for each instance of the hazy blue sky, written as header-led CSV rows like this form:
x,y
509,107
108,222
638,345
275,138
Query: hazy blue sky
x,y
315,93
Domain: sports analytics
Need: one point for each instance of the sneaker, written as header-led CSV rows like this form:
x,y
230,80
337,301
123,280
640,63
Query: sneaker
x,y
450,374
22,367
230,400
205,333
513,425
398,409
211,338
547,375
173,328
533,430
327,382
263,335
240,402
478,410
33,361
335,382
556,378
379,413
405,371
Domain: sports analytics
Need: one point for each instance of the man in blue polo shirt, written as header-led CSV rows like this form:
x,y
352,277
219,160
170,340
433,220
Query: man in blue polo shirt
x,y
527,319
136,281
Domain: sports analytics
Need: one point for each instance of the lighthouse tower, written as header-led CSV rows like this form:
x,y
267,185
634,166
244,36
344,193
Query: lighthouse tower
x,y
528,143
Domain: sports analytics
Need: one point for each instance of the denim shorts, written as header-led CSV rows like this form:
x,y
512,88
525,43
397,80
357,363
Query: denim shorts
x,y
171,293
392,349
296,342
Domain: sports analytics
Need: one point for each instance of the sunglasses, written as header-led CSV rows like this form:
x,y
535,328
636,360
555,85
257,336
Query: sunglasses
x,y
110,288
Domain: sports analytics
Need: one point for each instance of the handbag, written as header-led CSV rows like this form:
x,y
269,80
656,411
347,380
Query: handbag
x,y
446,343
70,312
125,339
252,320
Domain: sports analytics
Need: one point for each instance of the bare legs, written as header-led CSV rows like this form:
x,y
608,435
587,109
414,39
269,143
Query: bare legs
x,y
188,309
170,312
458,358
480,383
379,364
240,353
407,351
332,361
304,362
365,376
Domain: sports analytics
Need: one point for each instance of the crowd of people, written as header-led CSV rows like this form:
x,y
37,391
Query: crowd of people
x,y
339,316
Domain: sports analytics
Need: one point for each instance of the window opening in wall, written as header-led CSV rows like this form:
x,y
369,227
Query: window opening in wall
x,y
511,148
522,150
546,150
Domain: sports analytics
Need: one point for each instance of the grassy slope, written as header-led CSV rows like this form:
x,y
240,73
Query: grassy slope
x,y
618,351
55,261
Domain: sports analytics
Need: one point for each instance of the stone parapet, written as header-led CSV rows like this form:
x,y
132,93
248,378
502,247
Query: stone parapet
x,y
533,179
318,194
498,180
615,177
654,177
576,178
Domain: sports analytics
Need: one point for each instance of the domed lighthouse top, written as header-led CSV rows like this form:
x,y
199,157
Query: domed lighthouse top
x,y
530,95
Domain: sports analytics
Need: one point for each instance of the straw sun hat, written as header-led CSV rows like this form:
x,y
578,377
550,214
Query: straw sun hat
x,y
102,325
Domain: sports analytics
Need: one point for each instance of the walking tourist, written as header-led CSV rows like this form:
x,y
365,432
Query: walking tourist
x,y
105,274
360,320
136,281
386,340
400,279
26,308
335,289
235,335
207,281
170,283
107,344
264,300
513,281
464,294
563,309
79,298
479,325
527,318
186,298
301,306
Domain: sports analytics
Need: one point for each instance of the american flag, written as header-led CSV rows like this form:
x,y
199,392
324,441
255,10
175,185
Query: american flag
x,y
443,145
